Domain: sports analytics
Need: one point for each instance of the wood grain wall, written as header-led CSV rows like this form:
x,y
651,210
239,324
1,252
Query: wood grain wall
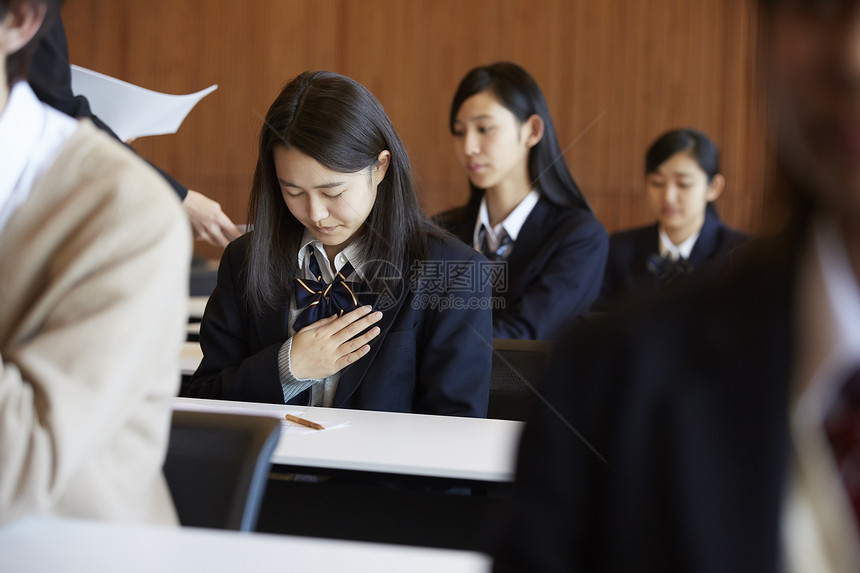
x,y
616,74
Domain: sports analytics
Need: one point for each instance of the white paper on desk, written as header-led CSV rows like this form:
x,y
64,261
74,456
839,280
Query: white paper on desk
x,y
132,111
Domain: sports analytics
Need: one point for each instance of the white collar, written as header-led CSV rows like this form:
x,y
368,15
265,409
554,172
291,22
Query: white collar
x,y
31,137
512,224
667,247
349,255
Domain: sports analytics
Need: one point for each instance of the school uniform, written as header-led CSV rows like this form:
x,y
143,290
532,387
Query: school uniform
x,y
553,272
630,267
671,441
432,356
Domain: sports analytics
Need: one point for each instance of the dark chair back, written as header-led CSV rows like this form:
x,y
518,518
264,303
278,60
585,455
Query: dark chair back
x,y
217,466
517,367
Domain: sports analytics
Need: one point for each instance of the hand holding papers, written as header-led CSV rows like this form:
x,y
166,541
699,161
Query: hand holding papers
x,y
132,111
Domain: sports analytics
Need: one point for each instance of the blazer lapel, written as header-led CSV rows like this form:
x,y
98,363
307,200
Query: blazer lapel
x,y
706,244
352,376
531,235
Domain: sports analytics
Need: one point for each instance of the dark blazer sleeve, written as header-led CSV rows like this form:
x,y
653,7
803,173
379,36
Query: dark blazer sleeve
x,y
457,340
571,261
237,364
51,80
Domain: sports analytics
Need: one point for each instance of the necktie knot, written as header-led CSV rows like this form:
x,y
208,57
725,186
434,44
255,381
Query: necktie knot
x,y
320,299
502,251
667,270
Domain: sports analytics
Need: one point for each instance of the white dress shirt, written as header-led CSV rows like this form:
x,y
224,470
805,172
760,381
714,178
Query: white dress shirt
x,y
673,251
511,225
32,135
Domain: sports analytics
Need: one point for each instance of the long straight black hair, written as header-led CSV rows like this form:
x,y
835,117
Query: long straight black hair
x,y
692,142
519,93
340,124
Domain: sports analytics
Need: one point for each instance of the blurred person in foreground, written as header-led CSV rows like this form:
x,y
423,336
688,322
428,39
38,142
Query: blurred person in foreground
x,y
94,254
716,430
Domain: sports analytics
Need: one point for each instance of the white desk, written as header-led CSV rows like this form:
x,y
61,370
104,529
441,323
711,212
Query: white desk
x,y
385,442
53,545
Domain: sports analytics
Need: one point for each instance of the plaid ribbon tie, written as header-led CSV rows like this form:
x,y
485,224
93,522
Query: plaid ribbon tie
x,y
320,300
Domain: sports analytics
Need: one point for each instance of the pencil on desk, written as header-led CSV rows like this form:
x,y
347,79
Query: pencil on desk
x,y
303,422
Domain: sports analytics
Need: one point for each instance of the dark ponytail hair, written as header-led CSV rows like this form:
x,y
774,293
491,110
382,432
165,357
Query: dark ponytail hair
x,y
519,93
695,144
339,123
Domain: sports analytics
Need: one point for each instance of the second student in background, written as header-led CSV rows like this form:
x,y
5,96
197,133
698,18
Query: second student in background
x,y
682,181
525,208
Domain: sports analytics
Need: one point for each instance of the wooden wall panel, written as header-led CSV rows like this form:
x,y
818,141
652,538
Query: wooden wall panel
x,y
615,73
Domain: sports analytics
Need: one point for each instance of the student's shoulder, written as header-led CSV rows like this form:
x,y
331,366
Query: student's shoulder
x,y
459,221
99,180
733,238
566,219
107,167
633,236
450,217
442,245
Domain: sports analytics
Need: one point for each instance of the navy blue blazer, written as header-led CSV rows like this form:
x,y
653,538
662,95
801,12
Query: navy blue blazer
x,y
627,270
667,445
553,273
430,357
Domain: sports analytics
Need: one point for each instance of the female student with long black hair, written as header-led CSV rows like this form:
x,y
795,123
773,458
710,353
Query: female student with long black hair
x,y
682,181
524,207
336,222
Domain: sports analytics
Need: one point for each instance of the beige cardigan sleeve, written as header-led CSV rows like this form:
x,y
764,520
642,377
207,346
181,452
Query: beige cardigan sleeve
x,y
93,284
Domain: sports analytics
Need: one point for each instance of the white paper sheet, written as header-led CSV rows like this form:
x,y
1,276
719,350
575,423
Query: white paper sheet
x,y
132,111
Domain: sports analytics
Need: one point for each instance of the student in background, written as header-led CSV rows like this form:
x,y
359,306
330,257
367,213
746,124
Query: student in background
x,y
682,181
524,209
717,429
94,253
337,227
51,80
